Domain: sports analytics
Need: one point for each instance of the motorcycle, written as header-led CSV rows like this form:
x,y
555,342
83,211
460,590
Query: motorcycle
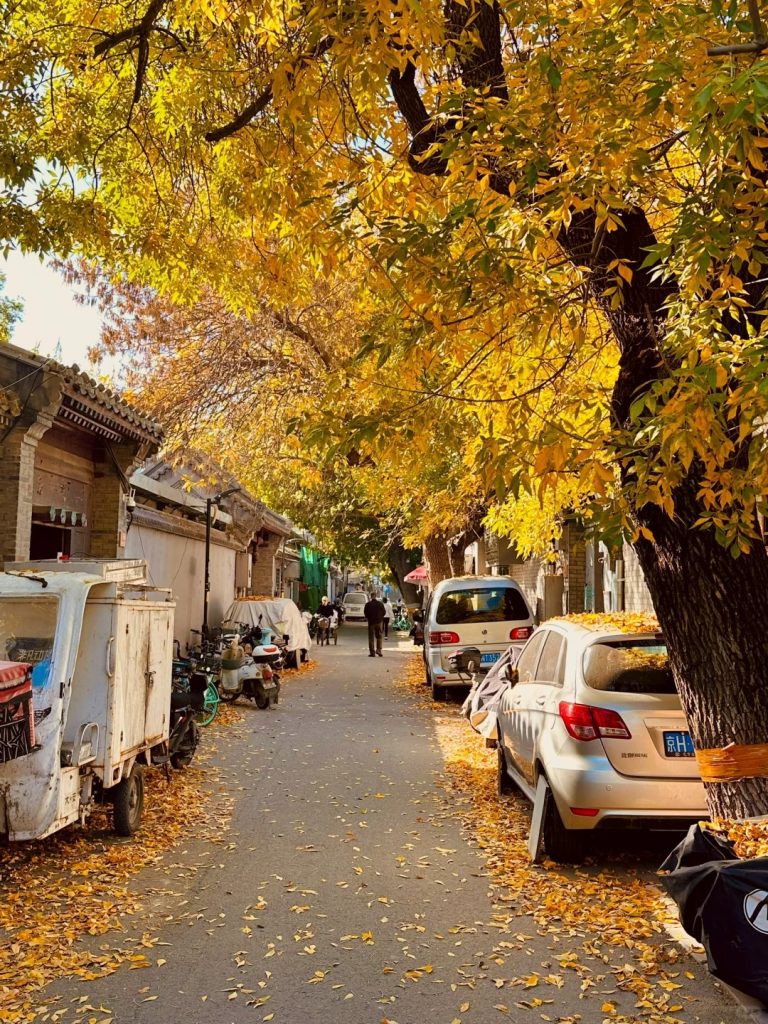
x,y
324,628
184,733
252,672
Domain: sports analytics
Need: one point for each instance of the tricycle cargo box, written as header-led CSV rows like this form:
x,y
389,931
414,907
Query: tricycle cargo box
x,y
94,644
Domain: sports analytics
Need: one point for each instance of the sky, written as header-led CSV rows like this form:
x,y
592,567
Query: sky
x,y
53,322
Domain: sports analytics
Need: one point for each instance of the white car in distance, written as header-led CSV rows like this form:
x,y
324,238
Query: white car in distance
x,y
487,612
353,605
594,712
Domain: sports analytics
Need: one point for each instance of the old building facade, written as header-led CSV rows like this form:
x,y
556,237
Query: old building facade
x,y
67,448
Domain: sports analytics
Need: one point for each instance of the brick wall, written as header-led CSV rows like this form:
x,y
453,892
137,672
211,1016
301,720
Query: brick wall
x,y
263,570
527,575
637,597
17,487
110,518
575,549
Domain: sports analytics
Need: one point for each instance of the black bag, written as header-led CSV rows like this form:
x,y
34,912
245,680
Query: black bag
x,y
723,903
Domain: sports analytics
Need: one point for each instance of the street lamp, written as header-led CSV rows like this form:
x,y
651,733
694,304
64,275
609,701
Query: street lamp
x,y
209,503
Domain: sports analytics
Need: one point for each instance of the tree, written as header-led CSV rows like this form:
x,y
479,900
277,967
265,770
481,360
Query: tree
x,y
231,385
10,312
559,163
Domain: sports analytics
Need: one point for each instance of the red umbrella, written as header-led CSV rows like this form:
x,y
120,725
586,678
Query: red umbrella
x,y
417,575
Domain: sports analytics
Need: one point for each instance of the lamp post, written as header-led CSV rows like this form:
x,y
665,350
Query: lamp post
x,y
209,503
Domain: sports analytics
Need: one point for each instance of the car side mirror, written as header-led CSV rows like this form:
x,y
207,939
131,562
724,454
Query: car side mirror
x,y
512,675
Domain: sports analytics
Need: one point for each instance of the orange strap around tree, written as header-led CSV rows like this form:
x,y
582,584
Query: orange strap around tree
x,y
734,762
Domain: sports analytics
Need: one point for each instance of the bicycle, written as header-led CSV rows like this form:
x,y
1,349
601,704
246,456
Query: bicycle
x,y
182,671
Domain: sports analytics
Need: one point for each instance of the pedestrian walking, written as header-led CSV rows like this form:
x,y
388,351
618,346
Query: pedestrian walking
x,y
389,615
374,616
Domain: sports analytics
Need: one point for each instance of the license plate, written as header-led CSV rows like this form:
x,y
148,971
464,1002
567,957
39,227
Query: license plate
x,y
488,659
678,744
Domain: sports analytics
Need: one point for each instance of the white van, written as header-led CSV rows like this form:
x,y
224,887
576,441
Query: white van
x,y
488,612
353,605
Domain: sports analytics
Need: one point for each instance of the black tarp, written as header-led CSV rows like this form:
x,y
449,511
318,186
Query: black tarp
x,y
723,904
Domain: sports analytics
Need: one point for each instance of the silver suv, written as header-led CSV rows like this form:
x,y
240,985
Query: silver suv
x,y
592,725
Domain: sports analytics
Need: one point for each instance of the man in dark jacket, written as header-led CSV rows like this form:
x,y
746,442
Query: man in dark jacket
x,y
374,613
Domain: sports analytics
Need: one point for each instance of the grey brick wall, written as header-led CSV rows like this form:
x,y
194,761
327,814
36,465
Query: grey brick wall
x,y
636,595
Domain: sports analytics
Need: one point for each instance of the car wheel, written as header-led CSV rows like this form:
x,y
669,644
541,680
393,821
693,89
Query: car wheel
x,y
563,845
438,692
504,785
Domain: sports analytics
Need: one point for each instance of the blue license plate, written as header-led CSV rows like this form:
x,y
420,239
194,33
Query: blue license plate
x,y
488,659
678,744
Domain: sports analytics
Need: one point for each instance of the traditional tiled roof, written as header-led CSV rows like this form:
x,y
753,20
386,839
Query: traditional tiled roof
x,y
87,399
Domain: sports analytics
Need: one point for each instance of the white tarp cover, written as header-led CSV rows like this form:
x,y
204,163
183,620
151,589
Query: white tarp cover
x,y
281,615
483,699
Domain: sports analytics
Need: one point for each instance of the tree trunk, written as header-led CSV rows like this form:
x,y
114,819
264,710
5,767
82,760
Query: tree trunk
x,y
713,610
400,561
436,557
456,546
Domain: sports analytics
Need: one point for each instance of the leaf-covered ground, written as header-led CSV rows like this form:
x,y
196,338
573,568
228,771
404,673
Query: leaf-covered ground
x,y
57,891
316,873
616,929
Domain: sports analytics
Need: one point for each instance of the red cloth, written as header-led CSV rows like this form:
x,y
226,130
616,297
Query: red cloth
x,y
17,717
13,672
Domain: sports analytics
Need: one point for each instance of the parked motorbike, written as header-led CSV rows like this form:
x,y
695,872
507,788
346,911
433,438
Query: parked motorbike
x,y
184,734
252,672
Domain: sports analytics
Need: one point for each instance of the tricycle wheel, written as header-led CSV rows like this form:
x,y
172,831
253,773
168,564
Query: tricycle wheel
x,y
128,802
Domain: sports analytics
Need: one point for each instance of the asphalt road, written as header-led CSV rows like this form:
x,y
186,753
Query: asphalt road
x,y
344,868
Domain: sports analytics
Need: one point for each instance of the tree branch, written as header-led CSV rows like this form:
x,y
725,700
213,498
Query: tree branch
x,y
263,100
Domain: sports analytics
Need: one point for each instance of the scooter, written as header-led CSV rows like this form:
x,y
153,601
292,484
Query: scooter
x,y
251,672
184,735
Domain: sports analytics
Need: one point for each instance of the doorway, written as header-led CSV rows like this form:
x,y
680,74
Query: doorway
x,y
47,541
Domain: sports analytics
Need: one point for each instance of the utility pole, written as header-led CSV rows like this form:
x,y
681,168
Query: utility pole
x,y
209,503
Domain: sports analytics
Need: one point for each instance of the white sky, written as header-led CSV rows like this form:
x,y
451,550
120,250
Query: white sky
x,y
52,323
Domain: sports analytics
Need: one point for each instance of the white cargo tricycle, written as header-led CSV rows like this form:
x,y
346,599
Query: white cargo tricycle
x,y
86,654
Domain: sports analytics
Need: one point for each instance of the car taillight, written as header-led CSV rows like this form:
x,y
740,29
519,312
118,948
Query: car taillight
x,y
521,633
586,723
444,638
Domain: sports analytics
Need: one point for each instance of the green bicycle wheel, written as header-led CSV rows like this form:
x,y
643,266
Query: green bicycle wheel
x,y
210,705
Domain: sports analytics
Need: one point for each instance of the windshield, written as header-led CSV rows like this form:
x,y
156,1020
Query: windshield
x,y
481,604
27,629
629,666
355,599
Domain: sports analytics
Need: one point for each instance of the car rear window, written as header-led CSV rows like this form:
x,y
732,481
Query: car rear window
x,y
629,666
481,604
355,599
